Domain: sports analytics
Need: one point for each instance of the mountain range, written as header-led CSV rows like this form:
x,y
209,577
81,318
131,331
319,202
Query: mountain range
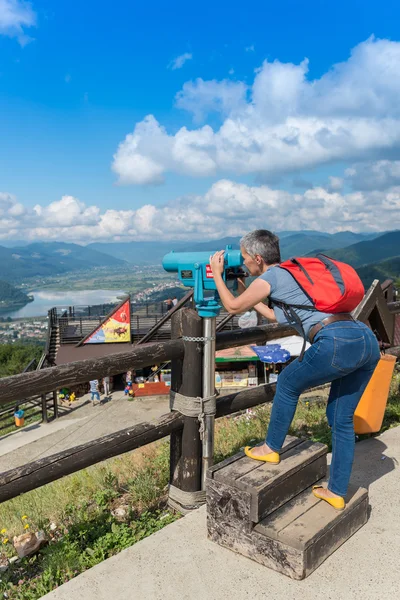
x,y
374,255
291,243
45,259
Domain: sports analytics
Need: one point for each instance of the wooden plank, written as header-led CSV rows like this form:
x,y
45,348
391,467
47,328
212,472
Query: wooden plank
x,y
303,521
18,387
159,324
382,321
311,526
266,551
237,468
228,507
35,474
374,309
231,403
272,486
363,310
276,496
186,471
252,335
293,460
288,513
333,538
224,463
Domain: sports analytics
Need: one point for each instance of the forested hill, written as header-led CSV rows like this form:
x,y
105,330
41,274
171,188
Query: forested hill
x,y
12,296
366,252
50,258
385,269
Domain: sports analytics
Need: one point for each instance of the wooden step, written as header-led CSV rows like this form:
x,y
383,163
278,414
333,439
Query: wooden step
x,y
298,537
269,514
270,486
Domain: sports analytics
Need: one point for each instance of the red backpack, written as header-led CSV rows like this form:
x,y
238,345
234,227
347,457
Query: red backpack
x,y
331,286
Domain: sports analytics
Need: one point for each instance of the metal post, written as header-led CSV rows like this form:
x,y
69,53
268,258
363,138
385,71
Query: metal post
x,y
209,331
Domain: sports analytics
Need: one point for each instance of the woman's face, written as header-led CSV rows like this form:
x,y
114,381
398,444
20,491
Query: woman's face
x,y
254,265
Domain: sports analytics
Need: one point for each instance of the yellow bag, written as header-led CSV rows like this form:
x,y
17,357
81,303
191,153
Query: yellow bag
x,y
370,411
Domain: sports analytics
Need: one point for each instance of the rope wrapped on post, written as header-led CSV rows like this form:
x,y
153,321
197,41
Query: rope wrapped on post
x,y
185,502
193,406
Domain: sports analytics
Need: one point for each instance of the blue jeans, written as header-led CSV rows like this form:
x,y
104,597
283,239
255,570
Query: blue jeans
x,y
345,353
95,395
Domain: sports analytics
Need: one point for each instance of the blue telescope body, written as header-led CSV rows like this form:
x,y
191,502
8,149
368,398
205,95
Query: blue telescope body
x,y
194,271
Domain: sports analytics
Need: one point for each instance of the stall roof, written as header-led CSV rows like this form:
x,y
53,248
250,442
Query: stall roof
x,y
242,353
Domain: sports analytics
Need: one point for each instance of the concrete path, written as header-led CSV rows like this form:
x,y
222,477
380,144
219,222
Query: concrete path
x,y
179,563
81,424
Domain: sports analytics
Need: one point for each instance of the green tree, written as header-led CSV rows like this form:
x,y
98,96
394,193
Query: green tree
x,y
15,357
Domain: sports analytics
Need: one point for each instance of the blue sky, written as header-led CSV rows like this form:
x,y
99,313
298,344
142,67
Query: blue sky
x,y
76,78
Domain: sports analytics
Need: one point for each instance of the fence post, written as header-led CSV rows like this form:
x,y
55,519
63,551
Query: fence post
x,y
44,409
55,404
186,445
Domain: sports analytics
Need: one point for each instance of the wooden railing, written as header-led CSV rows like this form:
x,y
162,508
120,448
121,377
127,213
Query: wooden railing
x,y
186,364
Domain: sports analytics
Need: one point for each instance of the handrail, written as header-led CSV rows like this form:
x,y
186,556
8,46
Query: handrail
x,y
37,473
165,318
20,386
224,321
29,366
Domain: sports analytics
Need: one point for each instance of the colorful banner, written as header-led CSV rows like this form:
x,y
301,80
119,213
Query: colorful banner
x,y
117,328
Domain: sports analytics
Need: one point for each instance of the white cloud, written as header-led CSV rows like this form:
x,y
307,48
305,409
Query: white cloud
x,y
179,61
227,208
15,16
201,97
335,183
378,175
250,48
283,123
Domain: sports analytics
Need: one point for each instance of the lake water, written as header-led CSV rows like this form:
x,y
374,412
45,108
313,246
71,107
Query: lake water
x,y
46,299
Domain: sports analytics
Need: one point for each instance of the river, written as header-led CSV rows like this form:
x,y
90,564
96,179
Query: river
x,y
46,299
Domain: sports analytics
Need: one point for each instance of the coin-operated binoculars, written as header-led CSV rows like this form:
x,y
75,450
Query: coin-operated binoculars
x,y
194,271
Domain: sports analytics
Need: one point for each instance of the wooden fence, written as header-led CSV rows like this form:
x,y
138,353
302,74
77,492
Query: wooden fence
x,y
186,378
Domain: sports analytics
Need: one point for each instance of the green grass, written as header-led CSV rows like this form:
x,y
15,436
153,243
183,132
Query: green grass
x,y
76,512
8,421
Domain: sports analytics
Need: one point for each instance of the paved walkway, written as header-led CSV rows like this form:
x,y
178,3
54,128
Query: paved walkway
x,y
79,424
179,563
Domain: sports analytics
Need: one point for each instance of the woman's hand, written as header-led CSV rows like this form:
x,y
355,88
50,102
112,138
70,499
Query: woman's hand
x,y
217,262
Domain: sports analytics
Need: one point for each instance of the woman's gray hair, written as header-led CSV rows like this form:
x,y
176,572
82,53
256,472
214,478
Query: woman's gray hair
x,y
262,242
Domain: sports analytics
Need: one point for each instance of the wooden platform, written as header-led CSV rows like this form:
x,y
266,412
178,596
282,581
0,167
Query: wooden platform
x,y
268,513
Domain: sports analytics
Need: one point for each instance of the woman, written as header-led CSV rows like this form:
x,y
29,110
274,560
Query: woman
x,y
343,351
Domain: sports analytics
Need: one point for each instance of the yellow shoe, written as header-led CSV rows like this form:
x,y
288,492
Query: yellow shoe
x,y
338,503
271,457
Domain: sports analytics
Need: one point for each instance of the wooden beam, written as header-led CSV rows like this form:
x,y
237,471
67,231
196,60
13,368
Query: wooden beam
x,y
186,378
394,351
165,318
373,309
394,307
253,335
18,387
226,405
35,474
388,289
